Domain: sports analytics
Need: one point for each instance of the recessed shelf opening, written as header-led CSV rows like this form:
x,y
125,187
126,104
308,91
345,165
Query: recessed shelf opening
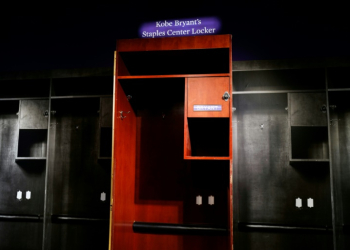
x,y
209,136
76,107
172,62
32,143
309,142
105,142
25,88
77,86
9,108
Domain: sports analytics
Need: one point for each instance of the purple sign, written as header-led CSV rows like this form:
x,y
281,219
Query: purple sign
x,y
207,108
180,27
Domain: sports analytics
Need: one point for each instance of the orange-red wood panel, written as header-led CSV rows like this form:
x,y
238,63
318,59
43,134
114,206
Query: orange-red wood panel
x,y
122,70
188,157
187,143
174,43
208,91
128,136
124,172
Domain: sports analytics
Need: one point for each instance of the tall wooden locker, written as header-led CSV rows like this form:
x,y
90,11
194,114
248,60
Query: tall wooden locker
x,y
172,150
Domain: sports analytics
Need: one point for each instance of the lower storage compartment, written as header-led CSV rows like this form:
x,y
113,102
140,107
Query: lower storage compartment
x,y
255,239
21,235
79,235
309,142
32,143
161,200
208,137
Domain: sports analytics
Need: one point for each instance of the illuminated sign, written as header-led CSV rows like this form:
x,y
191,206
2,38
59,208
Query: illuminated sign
x,y
180,27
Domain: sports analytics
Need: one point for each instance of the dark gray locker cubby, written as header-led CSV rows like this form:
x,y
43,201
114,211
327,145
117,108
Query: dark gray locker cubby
x,y
281,153
50,145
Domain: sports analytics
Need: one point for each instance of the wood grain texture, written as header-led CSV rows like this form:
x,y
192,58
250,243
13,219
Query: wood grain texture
x,y
206,158
122,69
124,173
174,43
208,91
152,181
187,140
171,76
230,193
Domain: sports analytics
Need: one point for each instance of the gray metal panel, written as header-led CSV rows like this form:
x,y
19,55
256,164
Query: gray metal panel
x,y
339,77
293,79
14,176
340,152
57,73
305,109
78,177
290,64
32,143
24,88
286,241
20,235
32,114
267,184
106,109
76,236
309,143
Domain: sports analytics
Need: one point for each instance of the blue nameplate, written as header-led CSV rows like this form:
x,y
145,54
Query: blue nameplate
x,y
207,108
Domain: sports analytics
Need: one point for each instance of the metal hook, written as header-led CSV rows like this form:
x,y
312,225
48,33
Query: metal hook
x,y
331,122
121,114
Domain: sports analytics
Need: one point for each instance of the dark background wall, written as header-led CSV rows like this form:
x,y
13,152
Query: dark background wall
x,y
51,36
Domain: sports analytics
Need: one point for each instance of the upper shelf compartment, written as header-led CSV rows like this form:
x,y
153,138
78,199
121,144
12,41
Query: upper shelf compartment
x,y
279,80
32,88
184,55
33,114
82,86
174,62
308,109
339,78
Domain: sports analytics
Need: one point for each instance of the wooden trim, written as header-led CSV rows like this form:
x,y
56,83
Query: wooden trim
x,y
174,43
112,158
187,144
207,158
230,206
127,210
172,76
